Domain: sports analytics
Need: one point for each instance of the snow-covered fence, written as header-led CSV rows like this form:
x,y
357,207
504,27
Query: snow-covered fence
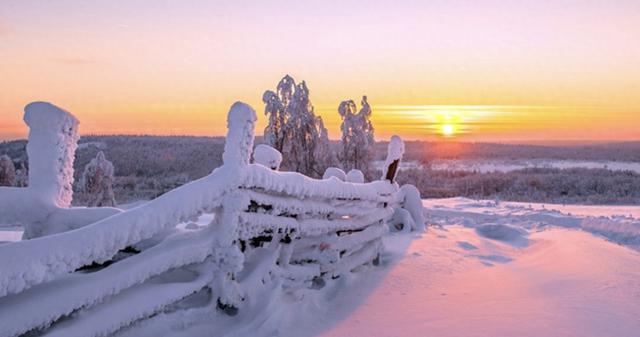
x,y
316,230
43,207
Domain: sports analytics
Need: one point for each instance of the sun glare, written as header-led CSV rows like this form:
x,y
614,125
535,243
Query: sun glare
x,y
448,130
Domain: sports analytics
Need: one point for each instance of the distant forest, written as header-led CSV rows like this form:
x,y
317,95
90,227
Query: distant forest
x,y
148,166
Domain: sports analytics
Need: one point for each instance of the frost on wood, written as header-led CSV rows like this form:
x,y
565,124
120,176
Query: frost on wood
x,y
7,171
97,182
53,138
268,156
395,150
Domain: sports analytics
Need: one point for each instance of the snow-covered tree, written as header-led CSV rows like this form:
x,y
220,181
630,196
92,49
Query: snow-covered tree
x,y
324,153
357,136
97,182
22,176
295,130
276,104
7,171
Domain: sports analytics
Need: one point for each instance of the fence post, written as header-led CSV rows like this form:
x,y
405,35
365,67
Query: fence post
x,y
53,139
237,153
239,142
395,150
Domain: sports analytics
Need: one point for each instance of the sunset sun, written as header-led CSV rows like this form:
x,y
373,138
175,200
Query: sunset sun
x,y
448,130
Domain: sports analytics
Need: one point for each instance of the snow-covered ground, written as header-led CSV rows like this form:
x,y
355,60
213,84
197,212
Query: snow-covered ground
x,y
482,268
515,276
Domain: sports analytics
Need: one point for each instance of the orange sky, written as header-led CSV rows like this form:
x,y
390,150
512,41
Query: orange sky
x,y
491,70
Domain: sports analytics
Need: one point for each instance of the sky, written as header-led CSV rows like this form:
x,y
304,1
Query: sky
x,y
466,70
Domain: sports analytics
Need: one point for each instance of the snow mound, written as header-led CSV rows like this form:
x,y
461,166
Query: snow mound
x,y
504,233
355,176
334,172
268,156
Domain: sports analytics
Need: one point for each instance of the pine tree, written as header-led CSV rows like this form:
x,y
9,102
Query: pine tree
x,y
7,171
97,182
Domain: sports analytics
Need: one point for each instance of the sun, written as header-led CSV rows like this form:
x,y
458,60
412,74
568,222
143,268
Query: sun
x,y
448,130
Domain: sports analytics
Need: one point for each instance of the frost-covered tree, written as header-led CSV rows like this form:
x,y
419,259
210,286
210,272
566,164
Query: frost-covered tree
x,y
295,130
276,104
97,182
22,176
357,136
7,171
324,153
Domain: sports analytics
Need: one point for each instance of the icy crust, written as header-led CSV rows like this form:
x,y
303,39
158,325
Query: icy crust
x,y
79,290
53,138
302,187
27,263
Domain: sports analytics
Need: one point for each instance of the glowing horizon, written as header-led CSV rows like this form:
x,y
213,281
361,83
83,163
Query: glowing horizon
x,y
455,70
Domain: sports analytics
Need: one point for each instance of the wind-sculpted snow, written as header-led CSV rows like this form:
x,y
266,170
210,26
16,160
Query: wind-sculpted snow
x,y
505,233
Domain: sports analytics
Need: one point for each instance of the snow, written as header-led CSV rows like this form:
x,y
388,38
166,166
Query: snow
x,y
462,277
266,155
482,268
239,142
53,137
355,176
565,283
301,186
334,172
412,202
395,151
485,166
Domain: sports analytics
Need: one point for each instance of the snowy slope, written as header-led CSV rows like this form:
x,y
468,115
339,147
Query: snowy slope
x,y
481,269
